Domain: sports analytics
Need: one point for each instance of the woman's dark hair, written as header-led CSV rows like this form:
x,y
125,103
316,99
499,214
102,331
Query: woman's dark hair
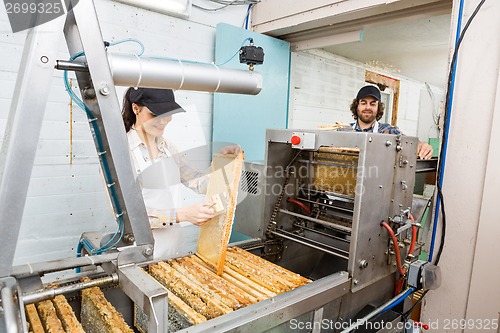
x,y
354,109
128,114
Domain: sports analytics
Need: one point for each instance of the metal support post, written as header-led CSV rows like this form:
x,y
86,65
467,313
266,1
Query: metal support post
x,y
82,32
23,130
12,318
147,294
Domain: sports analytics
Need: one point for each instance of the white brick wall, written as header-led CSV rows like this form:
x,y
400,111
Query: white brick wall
x,y
323,86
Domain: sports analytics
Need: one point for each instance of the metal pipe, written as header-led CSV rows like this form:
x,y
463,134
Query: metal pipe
x,y
53,292
307,242
71,66
61,264
425,170
9,309
340,239
337,196
131,70
312,219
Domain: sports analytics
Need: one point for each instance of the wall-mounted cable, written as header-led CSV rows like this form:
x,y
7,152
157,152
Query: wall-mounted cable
x,y
127,40
225,4
117,236
446,127
237,52
381,309
247,16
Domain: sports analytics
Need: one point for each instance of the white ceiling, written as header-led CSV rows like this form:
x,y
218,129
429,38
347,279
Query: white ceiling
x,y
413,47
409,37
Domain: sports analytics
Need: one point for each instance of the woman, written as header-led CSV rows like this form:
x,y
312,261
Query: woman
x,y
146,112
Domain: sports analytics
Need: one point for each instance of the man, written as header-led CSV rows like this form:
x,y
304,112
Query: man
x,y
367,110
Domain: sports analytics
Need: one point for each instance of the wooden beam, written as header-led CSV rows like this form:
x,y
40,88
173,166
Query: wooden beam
x,y
389,82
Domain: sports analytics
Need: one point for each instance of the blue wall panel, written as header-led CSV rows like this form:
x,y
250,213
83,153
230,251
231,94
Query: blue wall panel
x,y
243,119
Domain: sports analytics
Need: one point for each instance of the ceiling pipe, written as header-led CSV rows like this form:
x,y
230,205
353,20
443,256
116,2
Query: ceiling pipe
x,y
131,70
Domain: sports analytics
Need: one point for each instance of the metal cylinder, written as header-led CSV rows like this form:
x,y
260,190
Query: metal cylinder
x,y
131,70
53,292
310,243
312,219
8,309
71,66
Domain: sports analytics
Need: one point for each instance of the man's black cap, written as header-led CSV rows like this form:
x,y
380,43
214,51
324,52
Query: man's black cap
x,y
158,101
369,91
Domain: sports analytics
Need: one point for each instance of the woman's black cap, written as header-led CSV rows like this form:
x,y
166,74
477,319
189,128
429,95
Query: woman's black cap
x,y
158,101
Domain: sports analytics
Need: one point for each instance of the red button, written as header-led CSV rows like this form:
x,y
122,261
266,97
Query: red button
x,y
295,140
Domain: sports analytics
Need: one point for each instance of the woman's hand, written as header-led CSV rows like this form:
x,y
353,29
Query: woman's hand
x,y
198,214
230,150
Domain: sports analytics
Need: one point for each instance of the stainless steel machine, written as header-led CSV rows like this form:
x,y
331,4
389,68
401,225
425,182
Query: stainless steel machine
x,y
324,196
336,189
316,206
